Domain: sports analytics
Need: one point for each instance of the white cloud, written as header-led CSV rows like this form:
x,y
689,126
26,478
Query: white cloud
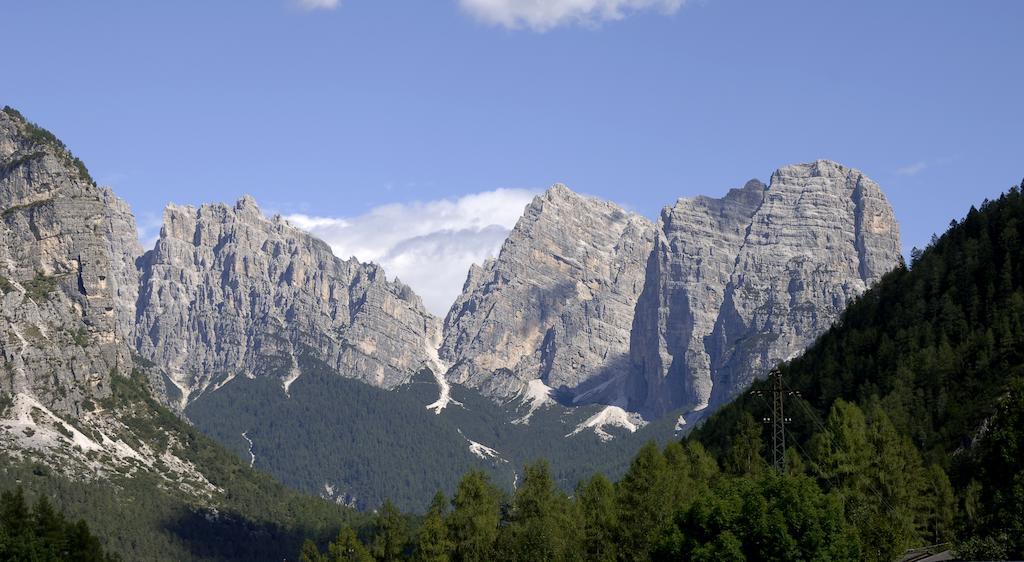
x,y
428,245
317,4
542,15
912,169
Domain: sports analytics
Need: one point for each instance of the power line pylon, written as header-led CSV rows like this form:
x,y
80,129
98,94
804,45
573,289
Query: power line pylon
x,y
778,418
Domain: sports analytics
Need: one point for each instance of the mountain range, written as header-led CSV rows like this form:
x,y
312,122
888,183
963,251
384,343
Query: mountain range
x,y
592,329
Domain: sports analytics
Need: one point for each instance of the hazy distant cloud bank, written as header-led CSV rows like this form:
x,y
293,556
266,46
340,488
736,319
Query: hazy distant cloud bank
x,y
428,245
317,4
542,15
912,169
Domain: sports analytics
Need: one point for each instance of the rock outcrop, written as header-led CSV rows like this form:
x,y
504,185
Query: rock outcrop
x,y
557,303
228,291
66,269
602,306
737,284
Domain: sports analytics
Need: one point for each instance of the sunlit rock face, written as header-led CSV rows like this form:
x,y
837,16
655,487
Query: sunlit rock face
x,y
556,304
67,251
604,306
229,291
737,284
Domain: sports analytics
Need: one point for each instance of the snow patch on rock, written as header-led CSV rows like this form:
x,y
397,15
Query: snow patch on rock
x,y
252,455
534,396
438,368
482,451
610,416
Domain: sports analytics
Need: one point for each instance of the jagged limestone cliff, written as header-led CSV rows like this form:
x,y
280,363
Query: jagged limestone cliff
x,y
557,303
228,291
597,302
737,284
66,269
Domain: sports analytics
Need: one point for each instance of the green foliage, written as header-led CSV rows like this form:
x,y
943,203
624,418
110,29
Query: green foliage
x,y
432,543
476,513
599,519
81,337
391,534
541,522
773,517
929,356
39,136
348,548
40,287
43,534
672,504
745,456
144,517
401,451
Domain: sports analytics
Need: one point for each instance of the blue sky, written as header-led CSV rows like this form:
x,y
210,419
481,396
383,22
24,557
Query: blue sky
x,y
334,109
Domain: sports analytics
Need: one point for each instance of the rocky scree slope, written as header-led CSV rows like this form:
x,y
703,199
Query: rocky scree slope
x,y
68,284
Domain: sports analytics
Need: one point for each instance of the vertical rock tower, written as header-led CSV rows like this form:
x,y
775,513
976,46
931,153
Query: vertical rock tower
x,y
737,284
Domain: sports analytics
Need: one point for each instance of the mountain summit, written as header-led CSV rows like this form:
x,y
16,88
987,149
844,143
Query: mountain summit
x,y
604,306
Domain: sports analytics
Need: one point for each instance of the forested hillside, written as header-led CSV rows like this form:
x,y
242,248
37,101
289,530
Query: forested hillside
x,y
138,516
907,432
357,444
42,533
937,348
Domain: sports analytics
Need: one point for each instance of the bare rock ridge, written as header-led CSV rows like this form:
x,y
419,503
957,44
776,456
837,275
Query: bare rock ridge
x,y
228,291
737,284
67,273
605,307
557,304
597,303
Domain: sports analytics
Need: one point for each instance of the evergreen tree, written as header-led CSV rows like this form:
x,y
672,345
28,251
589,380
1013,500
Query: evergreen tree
x,y
310,552
433,544
390,534
476,513
599,520
645,506
541,522
348,548
746,452
941,498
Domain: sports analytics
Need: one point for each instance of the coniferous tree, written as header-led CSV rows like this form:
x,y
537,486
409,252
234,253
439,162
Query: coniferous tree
x,y
476,513
645,507
541,522
433,543
310,552
599,519
746,452
348,548
391,534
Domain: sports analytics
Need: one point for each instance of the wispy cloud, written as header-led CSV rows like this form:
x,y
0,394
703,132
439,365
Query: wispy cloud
x,y
912,169
542,15
428,245
317,4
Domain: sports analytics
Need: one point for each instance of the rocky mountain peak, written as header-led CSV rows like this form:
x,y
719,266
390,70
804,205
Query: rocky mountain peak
x,y
556,304
66,253
737,284
229,291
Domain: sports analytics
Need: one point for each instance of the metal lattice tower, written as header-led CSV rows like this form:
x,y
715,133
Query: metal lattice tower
x,y
778,418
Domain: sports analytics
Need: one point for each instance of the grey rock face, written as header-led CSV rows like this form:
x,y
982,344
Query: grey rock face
x,y
66,262
557,303
693,260
228,291
738,284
